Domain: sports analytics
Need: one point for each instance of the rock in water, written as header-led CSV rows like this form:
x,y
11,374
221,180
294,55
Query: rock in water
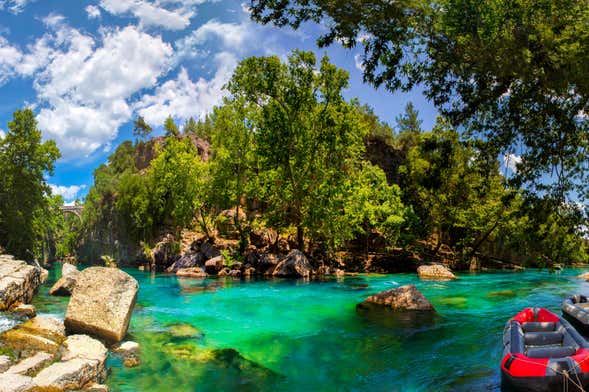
x,y
18,281
584,276
435,272
67,269
195,272
102,303
82,363
402,298
294,265
66,284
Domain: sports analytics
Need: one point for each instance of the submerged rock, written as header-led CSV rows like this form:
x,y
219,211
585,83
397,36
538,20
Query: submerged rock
x,y
18,281
402,298
102,304
37,334
184,330
294,265
435,272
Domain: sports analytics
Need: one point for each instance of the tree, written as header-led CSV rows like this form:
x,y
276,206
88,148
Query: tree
x,y
141,128
190,126
308,139
233,161
24,162
511,72
171,127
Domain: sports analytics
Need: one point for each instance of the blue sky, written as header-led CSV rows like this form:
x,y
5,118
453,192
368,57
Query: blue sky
x,y
88,68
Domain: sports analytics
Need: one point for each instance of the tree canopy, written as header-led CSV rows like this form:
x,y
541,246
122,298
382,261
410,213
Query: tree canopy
x,y
514,73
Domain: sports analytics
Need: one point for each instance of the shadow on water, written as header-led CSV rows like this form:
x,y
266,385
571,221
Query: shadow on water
x,y
408,321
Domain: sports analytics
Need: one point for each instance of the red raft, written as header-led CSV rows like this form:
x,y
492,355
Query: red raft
x,y
543,352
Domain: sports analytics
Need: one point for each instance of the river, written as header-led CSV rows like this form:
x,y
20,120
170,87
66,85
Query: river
x,y
288,335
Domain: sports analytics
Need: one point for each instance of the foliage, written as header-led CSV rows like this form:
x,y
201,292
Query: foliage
x,y
141,128
513,73
170,127
24,162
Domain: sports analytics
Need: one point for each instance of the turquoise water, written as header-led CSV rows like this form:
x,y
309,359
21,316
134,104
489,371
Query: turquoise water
x,y
281,335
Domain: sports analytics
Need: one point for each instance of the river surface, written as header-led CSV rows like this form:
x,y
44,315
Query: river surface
x,y
288,335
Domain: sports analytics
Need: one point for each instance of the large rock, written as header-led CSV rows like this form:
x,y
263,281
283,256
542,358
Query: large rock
x,y
82,363
195,272
102,303
37,334
186,261
66,284
435,272
402,298
18,281
214,265
584,276
11,382
294,265
31,365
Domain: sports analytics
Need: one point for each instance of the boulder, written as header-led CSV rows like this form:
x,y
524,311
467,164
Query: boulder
x,y
37,334
67,269
234,273
584,276
128,348
267,263
402,298
435,272
24,310
31,365
263,237
18,282
214,265
102,303
65,285
164,253
186,261
11,382
224,272
195,272
95,387
294,265
208,250
249,272
82,362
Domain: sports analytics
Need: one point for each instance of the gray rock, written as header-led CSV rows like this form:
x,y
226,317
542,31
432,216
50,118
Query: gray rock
x,y
67,269
208,250
18,282
31,365
402,298
435,272
186,261
195,272
214,265
10,382
102,303
294,265
65,285
5,363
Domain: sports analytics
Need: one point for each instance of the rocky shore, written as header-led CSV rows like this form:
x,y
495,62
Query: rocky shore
x,y
47,354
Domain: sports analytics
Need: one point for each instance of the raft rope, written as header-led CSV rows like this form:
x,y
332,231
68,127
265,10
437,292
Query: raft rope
x,y
565,374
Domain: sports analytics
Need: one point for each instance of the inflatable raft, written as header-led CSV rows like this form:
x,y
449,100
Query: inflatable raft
x,y
576,310
543,352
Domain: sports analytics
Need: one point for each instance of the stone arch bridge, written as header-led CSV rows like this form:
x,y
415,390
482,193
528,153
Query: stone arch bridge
x,y
75,210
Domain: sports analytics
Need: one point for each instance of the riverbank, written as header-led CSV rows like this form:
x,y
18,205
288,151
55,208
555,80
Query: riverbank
x,y
278,334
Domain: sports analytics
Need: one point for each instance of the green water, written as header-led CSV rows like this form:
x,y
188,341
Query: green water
x,y
307,336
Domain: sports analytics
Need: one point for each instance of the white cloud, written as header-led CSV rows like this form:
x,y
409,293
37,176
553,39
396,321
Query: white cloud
x,y
10,57
182,98
233,36
93,12
68,193
2,134
14,6
359,62
511,161
85,92
151,13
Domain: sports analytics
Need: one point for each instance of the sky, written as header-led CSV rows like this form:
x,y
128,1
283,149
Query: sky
x,y
89,68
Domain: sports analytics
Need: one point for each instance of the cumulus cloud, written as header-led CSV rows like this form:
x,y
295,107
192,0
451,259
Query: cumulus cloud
x,y
151,13
232,36
182,98
68,193
10,57
84,88
511,161
93,12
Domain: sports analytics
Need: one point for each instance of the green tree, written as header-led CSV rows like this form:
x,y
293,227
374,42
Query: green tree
x,y
190,126
24,161
141,128
511,72
171,127
308,138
